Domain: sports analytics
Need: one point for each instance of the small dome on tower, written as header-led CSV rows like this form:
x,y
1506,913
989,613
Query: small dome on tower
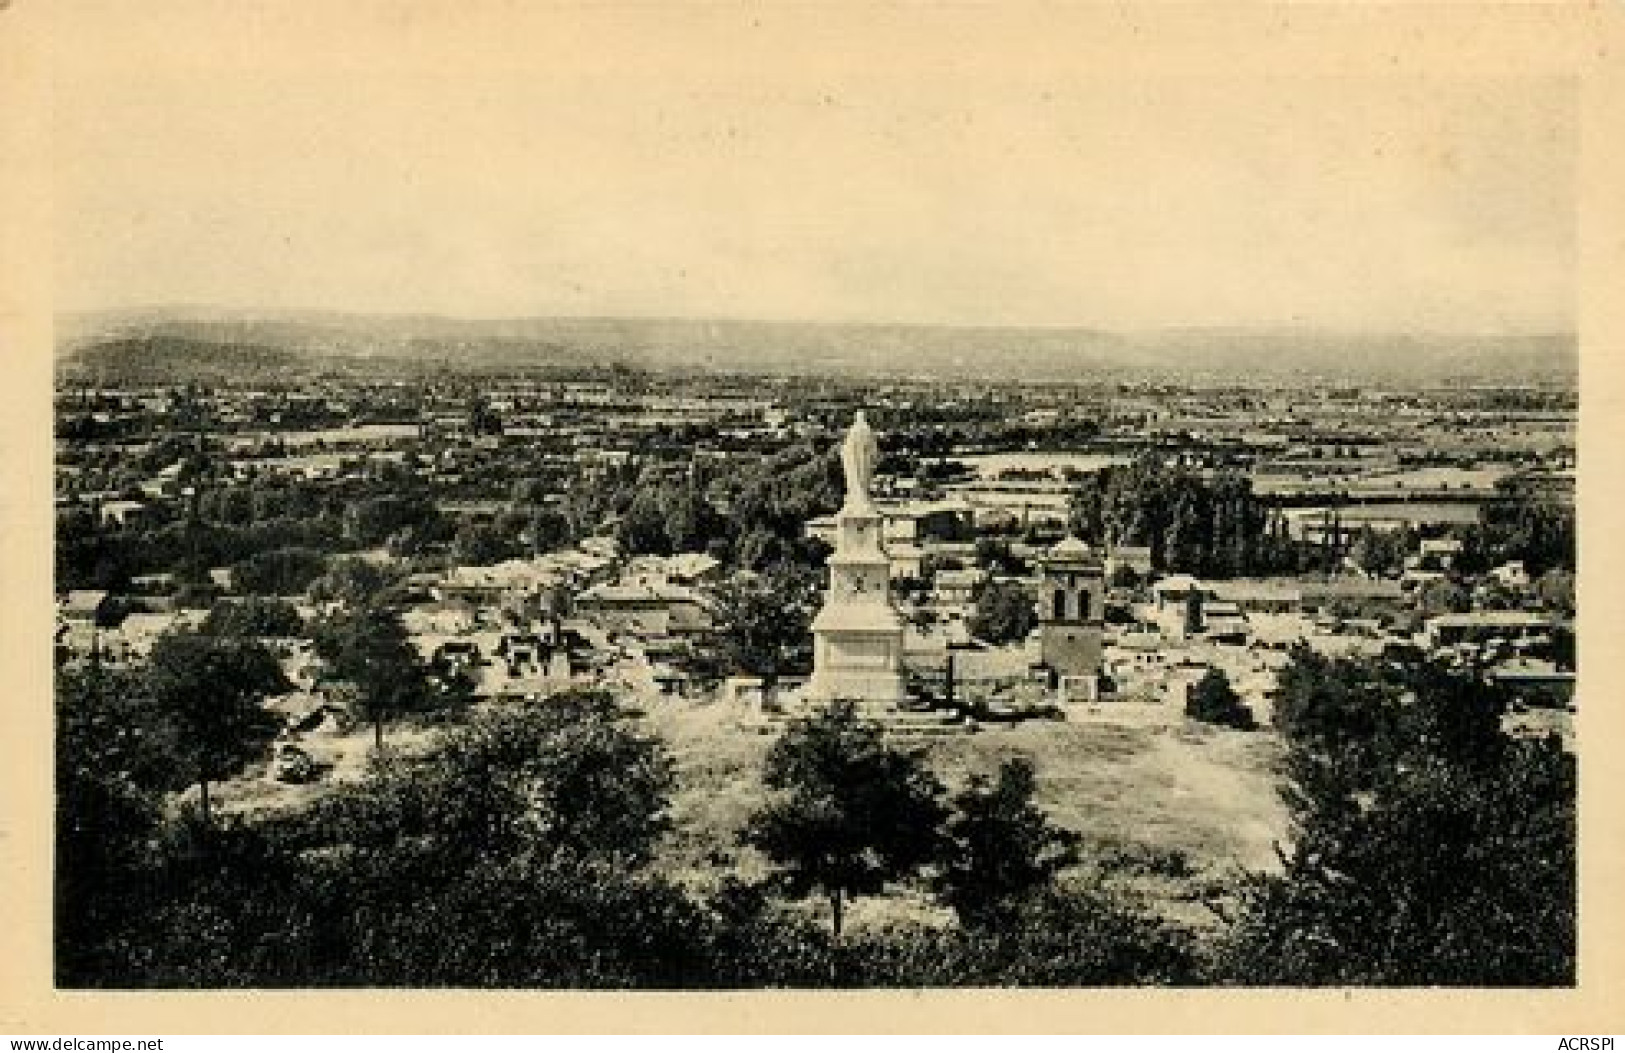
x,y
1071,547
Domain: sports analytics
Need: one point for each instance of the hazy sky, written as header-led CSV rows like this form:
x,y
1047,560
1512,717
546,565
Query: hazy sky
x,y
519,164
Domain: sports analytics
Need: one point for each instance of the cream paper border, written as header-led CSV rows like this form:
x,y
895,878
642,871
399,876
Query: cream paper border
x,y
1581,41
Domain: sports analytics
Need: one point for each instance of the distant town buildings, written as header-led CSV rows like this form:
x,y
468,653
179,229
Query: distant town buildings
x,y
528,580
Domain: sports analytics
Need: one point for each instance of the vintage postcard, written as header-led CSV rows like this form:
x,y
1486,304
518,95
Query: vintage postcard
x,y
811,517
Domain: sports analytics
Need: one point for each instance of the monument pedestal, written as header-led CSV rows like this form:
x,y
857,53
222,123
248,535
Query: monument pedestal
x,y
858,636
859,661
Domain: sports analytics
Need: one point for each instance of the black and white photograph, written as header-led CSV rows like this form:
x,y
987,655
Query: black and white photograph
x,y
748,498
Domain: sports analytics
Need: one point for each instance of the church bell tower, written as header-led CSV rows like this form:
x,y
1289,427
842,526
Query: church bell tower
x,y
1071,618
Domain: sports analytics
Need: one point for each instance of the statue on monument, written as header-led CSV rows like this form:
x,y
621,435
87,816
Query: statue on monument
x,y
858,634
858,455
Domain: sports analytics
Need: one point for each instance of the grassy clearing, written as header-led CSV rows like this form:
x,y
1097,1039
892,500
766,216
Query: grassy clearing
x,y
1163,807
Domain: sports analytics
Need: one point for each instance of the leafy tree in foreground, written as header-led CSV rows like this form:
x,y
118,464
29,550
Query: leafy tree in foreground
x,y
513,855
1053,938
110,757
1440,875
208,690
564,775
1000,846
106,721
852,812
1363,717
369,647
586,783
1213,701
527,921
1429,847
764,625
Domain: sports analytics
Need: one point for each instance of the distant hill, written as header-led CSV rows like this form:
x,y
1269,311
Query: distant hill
x,y
162,358
1418,357
202,344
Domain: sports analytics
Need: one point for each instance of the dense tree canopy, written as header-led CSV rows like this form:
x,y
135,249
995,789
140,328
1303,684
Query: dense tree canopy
x,y
512,855
369,648
358,583
481,544
1367,715
1381,553
1539,533
1192,524
253,617
1003,614
278,572
517,852
1438,873
1000,847
1430,847
850,812
1058,937
565,775
764,624
207,691
1213,701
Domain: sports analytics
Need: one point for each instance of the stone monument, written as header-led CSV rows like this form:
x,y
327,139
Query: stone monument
x,y
858,635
